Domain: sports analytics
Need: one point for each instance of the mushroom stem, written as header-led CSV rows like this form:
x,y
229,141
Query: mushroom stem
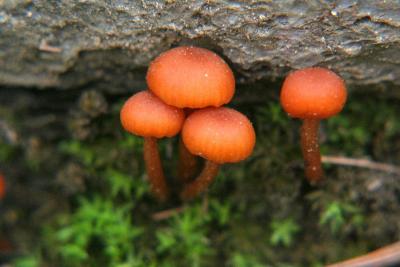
x,y
310,150
154,169
202,181
187,163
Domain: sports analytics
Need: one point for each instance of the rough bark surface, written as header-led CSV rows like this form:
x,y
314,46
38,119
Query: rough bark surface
x,y
108,44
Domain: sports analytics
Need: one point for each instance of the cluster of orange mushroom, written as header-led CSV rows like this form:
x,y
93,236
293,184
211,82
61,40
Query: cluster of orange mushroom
x,y
187,88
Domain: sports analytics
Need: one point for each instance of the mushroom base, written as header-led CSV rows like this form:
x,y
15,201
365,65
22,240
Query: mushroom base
x,y
201,183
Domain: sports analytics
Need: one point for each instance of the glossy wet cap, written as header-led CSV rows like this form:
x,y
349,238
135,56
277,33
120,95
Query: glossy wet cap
x,y
191,77
219,134
146,115
313,93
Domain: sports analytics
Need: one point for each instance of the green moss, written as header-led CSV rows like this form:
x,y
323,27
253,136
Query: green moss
x,y
283,232
98,231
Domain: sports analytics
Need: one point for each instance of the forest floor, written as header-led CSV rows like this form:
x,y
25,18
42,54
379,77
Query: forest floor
x,y
76,190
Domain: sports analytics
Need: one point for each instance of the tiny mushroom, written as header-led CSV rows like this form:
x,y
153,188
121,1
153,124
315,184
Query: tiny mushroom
x,y
312,94
145,115
220,135
190,77
2,186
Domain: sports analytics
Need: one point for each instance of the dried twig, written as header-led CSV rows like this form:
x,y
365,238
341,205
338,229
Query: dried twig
x,y
386,256
361,163
165,214
44,46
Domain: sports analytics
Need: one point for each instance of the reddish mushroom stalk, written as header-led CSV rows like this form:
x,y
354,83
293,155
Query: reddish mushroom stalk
x,y
187,163
145,115
202,182
154,168
310,149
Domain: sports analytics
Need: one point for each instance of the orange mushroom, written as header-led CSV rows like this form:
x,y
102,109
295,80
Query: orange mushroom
x,y
220,135
145,115
2,186
190,77
312,94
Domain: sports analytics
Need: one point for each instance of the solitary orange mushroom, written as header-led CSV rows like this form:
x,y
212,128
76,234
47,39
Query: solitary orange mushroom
x,y
145,115
190,77
220,135
312,94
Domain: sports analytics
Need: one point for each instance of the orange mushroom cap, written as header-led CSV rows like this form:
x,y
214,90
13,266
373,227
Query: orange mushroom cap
x,y
219,134
191,77
145,115
314,93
